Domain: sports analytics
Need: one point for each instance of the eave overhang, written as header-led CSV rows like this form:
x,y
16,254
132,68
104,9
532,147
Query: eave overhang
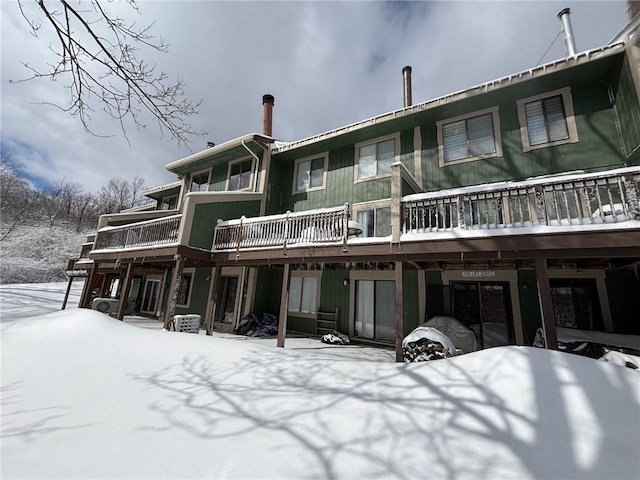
x,y
163,190
221,153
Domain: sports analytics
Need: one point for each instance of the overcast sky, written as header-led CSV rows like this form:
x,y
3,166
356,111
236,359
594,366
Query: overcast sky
x,y
328,64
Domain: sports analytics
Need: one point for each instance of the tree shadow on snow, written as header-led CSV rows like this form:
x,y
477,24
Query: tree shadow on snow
x,y
328,419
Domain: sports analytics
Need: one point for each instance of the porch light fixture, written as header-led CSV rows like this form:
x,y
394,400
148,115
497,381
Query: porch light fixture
x,y
354,229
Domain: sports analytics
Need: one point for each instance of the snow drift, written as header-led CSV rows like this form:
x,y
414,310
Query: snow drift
x,y
87,396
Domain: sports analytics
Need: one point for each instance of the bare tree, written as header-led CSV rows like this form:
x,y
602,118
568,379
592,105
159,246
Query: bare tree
x,y
97,52
119,194
137,187
19,200
84,210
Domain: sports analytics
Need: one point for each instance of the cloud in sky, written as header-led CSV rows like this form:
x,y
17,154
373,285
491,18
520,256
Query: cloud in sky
x,y
328,64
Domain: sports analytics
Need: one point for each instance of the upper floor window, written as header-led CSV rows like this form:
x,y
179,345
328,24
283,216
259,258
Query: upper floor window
x,y
199,182
374,218
240,174
469,137
169,203
310,173
374,159
547,120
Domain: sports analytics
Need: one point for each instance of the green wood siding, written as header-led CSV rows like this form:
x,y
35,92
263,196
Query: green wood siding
x,y
434,292
598,146
199,294
410,298
334,294
628,114
207,214
623,287
267,293
406,151
529,304
340,185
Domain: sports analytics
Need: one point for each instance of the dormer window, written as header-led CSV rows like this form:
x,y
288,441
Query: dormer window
x,y
199,182
240,174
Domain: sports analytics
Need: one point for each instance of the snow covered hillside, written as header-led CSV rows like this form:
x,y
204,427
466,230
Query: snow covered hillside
x,y
87,396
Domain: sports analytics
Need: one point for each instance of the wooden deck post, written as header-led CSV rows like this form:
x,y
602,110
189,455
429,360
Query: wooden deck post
x,y
211,309
124,292
284,300
86,290
399,312
174,289
66,294
546,304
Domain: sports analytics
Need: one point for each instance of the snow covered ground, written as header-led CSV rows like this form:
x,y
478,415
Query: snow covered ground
x,y
86,396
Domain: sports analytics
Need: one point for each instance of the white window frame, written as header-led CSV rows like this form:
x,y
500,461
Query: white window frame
x,y
306,274
356,164
162,200
374,205
497,137
569,117
251,175
355,275
200,172
191,271
325,158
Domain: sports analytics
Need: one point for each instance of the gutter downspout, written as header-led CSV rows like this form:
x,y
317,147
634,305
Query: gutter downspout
x,y
244,269
255,177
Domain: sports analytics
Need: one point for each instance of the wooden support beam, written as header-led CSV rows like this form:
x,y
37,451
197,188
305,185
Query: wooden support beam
x,y
284,300
546,304
66,294
86,290
174,290
213,297
124,292
399,312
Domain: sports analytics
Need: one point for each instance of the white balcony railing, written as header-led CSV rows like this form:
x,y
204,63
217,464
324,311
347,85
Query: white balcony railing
x,y
574,199
161,231
321,226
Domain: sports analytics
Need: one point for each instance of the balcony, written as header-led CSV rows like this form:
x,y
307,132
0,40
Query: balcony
x,y
327,226
150,233
573,201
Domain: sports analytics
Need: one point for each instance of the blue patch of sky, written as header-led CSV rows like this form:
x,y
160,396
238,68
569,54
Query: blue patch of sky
x,y
400,15
403,12
376,59
22,154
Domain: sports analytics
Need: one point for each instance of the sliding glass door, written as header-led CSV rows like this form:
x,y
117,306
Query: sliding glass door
x,y
375,309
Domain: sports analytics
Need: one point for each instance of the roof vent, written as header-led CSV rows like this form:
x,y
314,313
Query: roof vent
x,y
406,76
267,114
210,144
569,41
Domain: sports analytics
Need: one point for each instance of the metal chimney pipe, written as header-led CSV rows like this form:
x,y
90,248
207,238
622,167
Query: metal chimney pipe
x,y
569,41
406,76
267,114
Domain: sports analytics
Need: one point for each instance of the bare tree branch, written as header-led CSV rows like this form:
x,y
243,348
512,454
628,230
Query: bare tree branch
x,y
98,57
